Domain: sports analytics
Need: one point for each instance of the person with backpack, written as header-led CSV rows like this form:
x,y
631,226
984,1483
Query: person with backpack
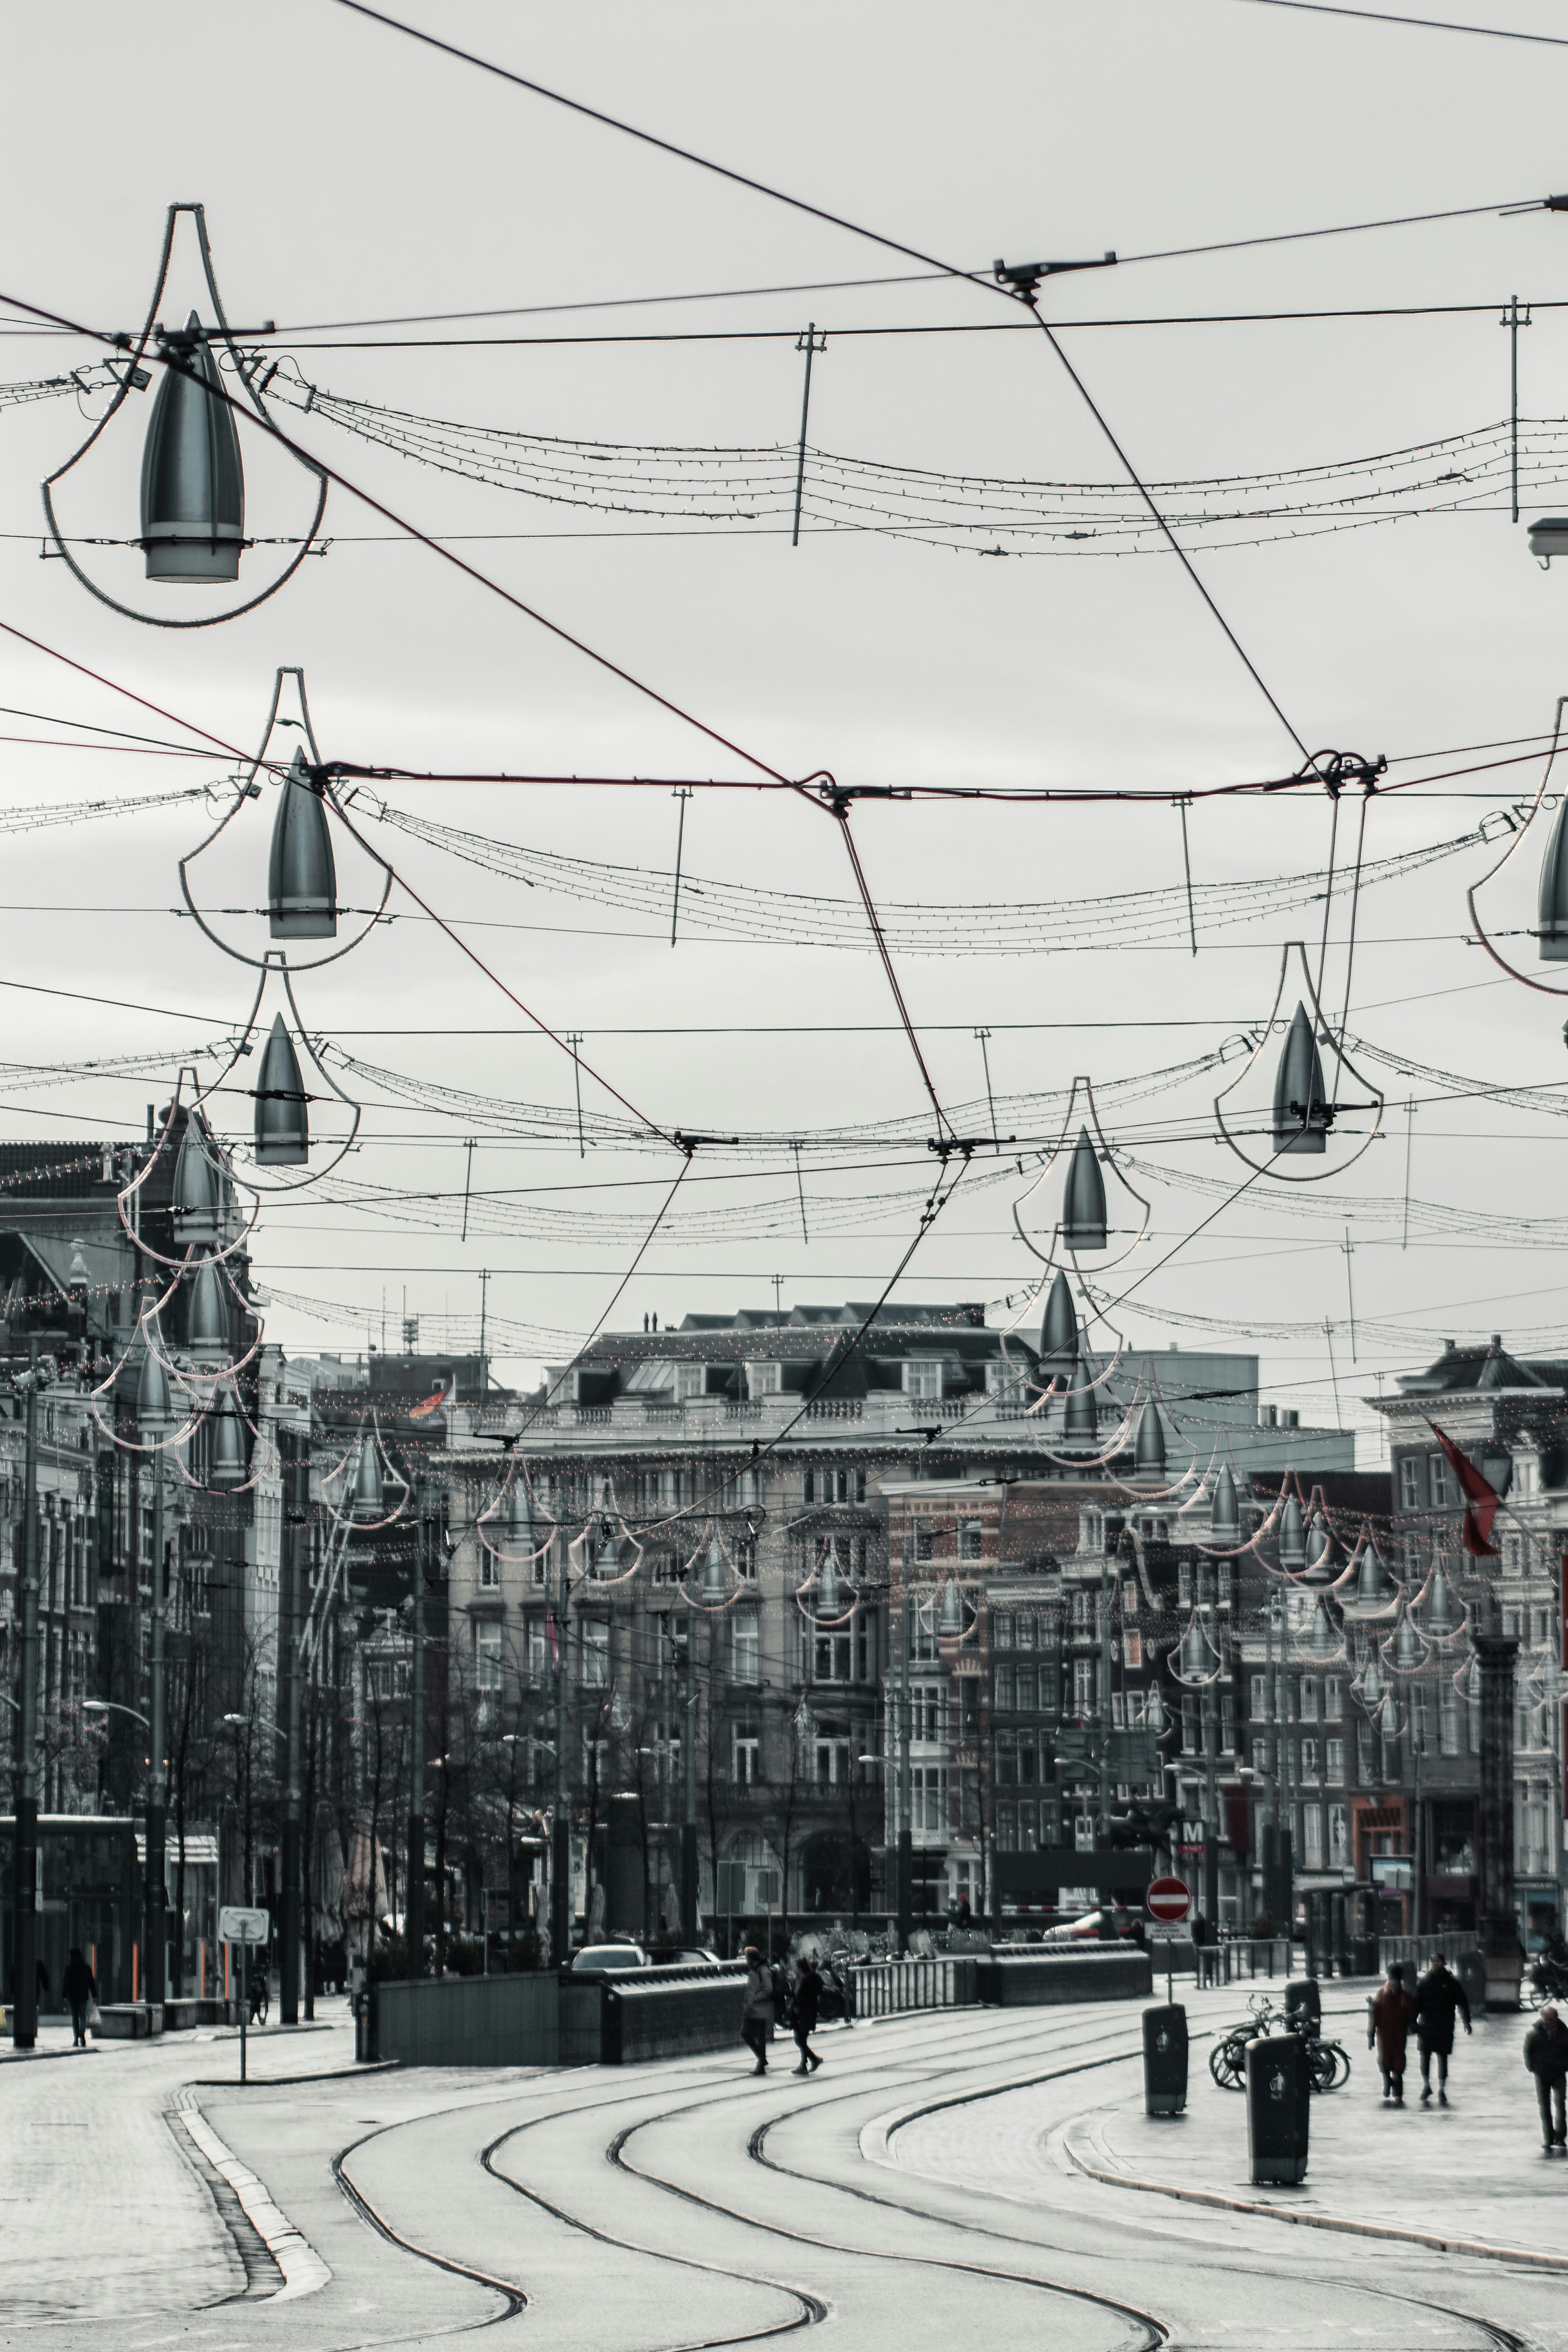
x,y
757,2012
1546,2056
805,2008
1439,1998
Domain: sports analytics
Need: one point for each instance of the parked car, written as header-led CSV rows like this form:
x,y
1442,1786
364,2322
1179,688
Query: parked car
x,y
595,1958
689,1956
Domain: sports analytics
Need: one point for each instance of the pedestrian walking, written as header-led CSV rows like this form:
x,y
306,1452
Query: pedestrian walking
x,y
757,2015
1439,1998
805,2008
80,1988
1389,2013
1546,2056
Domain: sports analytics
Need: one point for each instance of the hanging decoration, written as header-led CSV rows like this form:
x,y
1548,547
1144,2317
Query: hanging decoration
x,y
1551,933
193,481
1304,1108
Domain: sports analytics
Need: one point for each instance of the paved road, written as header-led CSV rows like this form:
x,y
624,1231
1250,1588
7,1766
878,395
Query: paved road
x,y
925,2183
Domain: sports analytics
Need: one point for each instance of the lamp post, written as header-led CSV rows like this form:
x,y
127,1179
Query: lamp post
x,y
24,1881
1211,1741
689,1823
296,1497
561,1824
153,1413
413,1904
904,1891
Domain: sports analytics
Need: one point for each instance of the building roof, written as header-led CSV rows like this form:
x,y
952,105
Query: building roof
x,y
1478,1370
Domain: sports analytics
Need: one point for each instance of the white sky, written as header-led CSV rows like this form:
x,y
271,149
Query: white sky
x,y
347,174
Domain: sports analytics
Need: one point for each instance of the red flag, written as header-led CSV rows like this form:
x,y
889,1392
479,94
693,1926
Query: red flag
x,y
1483,1501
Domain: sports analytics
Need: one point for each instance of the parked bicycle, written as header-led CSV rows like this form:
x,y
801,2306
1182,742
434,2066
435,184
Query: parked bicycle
x,y
1548,1978
1329,2066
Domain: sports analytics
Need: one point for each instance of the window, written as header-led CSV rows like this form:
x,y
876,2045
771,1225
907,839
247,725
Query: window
x,y
832,1658
1084,1680
594,1635
928,1799
1005,1687
1008,1760
1438,1482
832,1755
745,1650
1366,1767
1309,1760
1026,1690
922,1540
745,1753
1308,1703
1028,1830
1134,1649
534,1647
928,1712
1410,1483
1339,1837
763,1380
1453,1837
1260,1756
969,1537
922,1376
489,1567
1001,1630
1184,1584
1335,1752
486,1658
1028,1759
1260,1699
1007,1829
1312,1837
1227,1723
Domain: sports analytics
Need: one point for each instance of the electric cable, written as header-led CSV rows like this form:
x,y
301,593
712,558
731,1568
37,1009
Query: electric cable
x,y
1424,24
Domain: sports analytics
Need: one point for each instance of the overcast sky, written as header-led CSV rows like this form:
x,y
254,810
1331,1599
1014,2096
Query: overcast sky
x,y
348,174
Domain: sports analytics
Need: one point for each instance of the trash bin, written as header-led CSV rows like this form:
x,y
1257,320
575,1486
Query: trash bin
x,y
1279,2102
1471,1967
367,2049
1303,1994
1164,2059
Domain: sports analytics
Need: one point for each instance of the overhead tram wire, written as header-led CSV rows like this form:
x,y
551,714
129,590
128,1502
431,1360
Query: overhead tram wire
x,y
1419,23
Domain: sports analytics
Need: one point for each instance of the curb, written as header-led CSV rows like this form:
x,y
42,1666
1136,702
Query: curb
x,y
277,2082
1213,2196
303,2270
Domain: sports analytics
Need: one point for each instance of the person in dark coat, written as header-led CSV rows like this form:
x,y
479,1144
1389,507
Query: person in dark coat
x,y
81,1989
806,2008
1389,2013
757,2015
1546,2056
1439,1997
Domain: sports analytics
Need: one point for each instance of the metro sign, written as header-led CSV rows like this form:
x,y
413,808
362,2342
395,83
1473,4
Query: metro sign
x,y
1169,1899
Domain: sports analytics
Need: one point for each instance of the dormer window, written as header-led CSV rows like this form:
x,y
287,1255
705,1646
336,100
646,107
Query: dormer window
x,y
922,1376
764,1380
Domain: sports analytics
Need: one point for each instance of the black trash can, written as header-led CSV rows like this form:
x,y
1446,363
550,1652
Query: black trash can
x,y
1164,2059
1302,1993
1279,2102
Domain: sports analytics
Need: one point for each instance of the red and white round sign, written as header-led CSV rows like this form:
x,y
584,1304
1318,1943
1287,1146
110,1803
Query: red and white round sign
x,y
1169,1899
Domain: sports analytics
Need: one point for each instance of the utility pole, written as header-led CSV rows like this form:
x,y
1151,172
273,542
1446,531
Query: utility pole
x,y
560,1822
682,794
574,1039
1102,1794
1512,321
981,1037
25,1885
811,342
1211,1742
414,1908
688,1922
296,1505
154,1898
905,1814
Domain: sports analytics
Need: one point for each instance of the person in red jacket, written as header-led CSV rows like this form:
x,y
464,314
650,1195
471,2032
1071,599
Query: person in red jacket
x,y
1390,2011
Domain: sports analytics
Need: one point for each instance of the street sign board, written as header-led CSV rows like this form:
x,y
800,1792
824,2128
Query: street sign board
x,y
1169,1899
239,1925
1167,1931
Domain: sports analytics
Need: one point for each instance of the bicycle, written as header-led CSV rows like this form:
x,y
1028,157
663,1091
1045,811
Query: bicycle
x,y
1328,2062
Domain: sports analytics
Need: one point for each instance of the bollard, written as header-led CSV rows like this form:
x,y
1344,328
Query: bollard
x,y
1279,2102
1164,2059
1304,1994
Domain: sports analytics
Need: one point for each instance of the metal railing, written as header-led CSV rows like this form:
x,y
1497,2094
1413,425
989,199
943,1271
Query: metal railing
x,y
1419,1950
884,1988
1240,1958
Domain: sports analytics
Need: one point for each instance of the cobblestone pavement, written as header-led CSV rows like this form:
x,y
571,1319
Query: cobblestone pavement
x,y
929,2180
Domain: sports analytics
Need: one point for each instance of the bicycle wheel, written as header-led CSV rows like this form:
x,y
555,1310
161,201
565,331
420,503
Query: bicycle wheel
x,y
1341,2065
1227,2062
1320,2066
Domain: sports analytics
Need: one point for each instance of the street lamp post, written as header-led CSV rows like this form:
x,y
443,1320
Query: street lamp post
x,y
689,1888
24,1883
560,1822
296,1496
904,1890
1211,1781
414,1903
152,1416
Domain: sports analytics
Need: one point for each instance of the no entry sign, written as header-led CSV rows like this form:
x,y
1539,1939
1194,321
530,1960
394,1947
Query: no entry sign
x,y
1169,1899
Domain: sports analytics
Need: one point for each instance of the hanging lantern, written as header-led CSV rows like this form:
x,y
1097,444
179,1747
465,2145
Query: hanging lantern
x,y
804,1722
1552,936
1154,1711
1320,1552
301,877
1083,1199
1371,1686
206,1324
950,1613
369,1501
1471,1682
715,1572
1292,1539
1438,1619
607,1557
1225,1519
152,1407
1058,1331
830,1602
1081,1418
1373,1587
197,1200
282,1121
1321,1642
193,484
1388,1720
1194,1658
1149,1458
618,1718
227,1466
520,1515
1407,1646
1300,1113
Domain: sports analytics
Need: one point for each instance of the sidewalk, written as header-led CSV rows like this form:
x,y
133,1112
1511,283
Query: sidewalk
x,y
1472,2173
